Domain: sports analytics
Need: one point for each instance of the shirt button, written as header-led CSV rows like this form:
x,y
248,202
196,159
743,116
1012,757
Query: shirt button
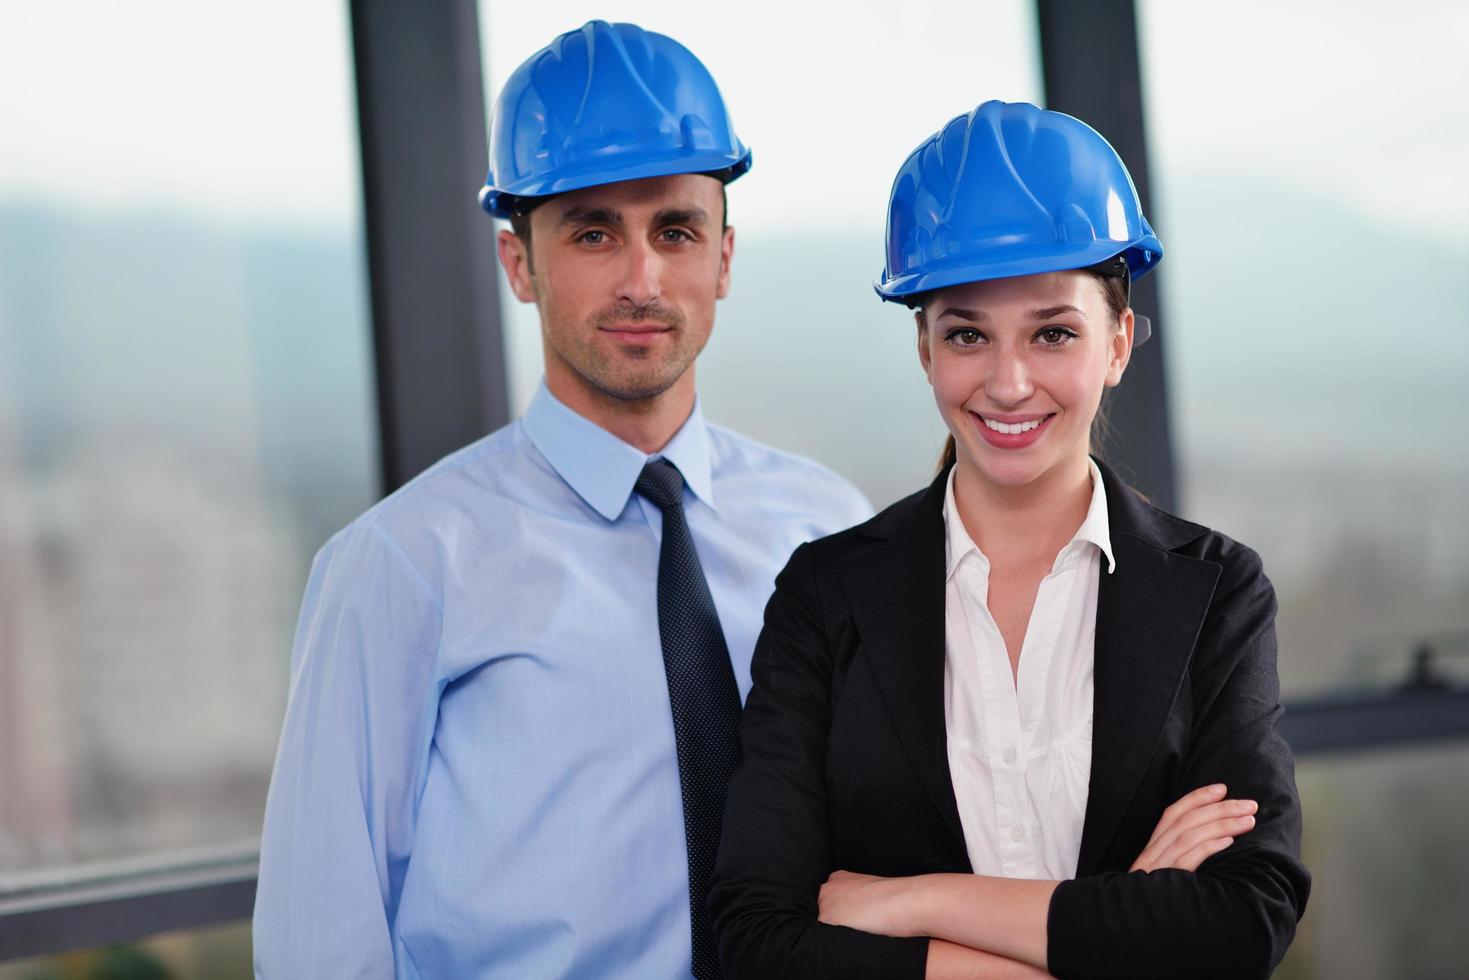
x,y
1017,833
1010,757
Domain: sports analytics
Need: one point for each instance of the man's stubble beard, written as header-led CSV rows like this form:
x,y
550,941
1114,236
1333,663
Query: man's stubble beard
x,y
615,373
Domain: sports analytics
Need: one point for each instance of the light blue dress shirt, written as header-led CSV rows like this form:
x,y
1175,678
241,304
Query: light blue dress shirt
x,y
477,774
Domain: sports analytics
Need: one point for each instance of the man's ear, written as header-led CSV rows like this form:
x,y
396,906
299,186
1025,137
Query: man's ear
x,y
726,256
515,257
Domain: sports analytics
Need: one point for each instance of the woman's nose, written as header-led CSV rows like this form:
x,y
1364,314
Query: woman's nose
x,y
1009,381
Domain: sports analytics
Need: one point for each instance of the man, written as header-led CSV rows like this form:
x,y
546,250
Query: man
x,y
517,680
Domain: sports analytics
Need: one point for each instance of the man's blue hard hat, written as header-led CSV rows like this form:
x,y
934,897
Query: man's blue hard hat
x,y
604,103
1011,189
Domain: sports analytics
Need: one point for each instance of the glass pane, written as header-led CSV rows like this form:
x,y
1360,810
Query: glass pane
x,y
186,412
1384,840
831,98
1316,304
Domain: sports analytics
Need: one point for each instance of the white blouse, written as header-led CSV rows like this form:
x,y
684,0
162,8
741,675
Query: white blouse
x,y
1020,750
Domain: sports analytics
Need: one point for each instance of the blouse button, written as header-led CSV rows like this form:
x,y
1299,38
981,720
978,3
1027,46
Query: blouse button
x,y
1010,759
1017,833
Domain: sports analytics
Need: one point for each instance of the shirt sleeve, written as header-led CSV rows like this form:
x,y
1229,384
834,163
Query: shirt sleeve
x,y
339,818
775,854
1237,914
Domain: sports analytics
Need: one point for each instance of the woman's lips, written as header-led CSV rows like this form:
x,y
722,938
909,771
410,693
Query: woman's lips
x,y
1011,433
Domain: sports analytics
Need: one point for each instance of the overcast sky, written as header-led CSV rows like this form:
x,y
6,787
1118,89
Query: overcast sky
x,y
248,111
235,110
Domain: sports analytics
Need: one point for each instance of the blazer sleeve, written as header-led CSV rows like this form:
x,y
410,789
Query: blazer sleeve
x,y
775,853
1237,914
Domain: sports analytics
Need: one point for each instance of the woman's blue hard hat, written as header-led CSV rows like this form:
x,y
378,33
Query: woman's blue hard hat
x,y
1011,189
605,103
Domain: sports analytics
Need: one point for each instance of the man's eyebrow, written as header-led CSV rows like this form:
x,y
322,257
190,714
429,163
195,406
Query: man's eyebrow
x,y
582,216
681,216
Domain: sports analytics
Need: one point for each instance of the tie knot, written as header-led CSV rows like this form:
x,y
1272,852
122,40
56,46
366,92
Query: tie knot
x,y
661,483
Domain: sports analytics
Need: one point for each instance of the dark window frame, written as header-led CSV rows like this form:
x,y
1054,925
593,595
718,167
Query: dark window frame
x,y
1091,69
442,383
431,252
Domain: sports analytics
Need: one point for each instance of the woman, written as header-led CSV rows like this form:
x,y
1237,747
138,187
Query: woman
x,y
991,729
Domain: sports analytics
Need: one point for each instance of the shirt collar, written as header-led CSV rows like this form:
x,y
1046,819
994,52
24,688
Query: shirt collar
x,y
600,467
956,539
1094,528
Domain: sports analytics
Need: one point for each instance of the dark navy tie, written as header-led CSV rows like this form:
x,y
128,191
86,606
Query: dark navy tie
x,y
702,693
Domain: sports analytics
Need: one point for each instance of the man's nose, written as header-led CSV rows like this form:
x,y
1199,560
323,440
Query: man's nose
x,y
641,275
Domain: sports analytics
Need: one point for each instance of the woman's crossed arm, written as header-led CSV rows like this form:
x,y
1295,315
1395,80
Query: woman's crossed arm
x,y
1011,924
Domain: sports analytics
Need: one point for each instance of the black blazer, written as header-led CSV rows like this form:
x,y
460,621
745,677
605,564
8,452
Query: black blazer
x,y
846,767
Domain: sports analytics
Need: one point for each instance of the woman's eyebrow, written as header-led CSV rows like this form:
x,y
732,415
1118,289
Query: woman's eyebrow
x,y
979,316
1050,311
973,316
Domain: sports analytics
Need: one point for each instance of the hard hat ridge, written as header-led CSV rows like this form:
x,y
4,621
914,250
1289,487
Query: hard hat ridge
x,y
605,103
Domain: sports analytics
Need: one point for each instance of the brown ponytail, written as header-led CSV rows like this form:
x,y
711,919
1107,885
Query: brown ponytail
x,y
950,456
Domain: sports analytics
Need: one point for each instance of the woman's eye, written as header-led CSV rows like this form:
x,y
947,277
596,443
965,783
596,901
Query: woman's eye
x,y
1055,336
964,337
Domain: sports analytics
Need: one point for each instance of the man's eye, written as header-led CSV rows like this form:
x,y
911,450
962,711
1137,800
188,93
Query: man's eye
x,y
593,237
674,235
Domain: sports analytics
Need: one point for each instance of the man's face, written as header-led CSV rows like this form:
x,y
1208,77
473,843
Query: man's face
x,y
625,277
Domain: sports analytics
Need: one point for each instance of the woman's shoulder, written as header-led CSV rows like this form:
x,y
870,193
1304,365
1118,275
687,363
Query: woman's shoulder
x,y
1135,514
904,519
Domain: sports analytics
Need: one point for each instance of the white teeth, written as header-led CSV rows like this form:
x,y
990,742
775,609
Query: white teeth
x,y
1012,430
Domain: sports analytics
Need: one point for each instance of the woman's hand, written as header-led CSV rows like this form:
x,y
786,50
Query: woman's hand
x,y
864,902
1199,825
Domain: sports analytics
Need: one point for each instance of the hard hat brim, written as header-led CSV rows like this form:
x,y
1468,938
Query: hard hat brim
x,y
499,201
1142,255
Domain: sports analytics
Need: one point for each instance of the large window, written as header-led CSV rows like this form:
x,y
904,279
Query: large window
x,y
831,98
187,399
186,414
1309,186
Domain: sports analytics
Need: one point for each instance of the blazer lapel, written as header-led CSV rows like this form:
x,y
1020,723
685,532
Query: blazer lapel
x,y
897,601
1149,613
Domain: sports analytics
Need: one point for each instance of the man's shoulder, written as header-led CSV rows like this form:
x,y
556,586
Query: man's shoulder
x,y
737,458
474,480
735,453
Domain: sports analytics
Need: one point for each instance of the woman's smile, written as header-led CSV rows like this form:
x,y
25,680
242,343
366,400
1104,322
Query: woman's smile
x,y
1011,432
